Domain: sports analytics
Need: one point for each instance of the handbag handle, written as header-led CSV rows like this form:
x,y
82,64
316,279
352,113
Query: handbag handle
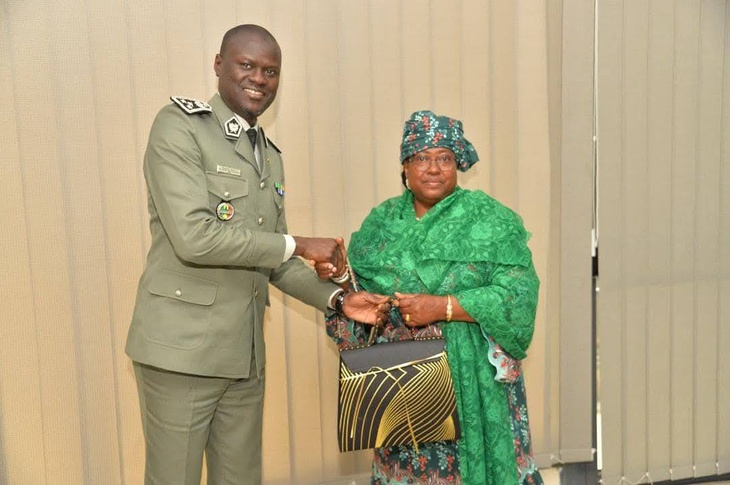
x,y
373,328
356,288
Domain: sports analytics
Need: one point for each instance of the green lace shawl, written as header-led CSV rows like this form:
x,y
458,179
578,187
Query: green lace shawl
x,y
471,246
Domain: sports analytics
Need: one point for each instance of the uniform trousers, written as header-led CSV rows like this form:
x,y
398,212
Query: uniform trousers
x,y
186,416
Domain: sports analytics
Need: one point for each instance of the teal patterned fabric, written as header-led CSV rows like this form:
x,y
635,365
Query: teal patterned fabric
x,y
470,246
424,130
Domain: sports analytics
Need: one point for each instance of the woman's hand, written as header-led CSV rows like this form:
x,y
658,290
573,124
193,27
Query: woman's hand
x,y
366,307
419,310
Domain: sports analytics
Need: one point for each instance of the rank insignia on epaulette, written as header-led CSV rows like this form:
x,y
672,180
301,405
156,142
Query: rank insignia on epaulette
x,y
279,188
191,106
233,127
272,144
267,141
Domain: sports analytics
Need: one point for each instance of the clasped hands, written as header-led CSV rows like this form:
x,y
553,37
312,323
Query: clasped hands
x,y
329,258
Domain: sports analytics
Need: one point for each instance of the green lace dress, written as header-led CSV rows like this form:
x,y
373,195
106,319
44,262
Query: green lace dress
x,y
470,246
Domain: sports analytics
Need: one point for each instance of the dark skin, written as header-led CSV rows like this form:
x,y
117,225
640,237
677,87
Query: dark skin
x,y
431,180
248,68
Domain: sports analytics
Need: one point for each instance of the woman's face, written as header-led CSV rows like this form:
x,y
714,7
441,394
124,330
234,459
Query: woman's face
x,y
431,175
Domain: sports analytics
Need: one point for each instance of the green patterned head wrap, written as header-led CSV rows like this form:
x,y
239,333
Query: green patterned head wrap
x,y
425,130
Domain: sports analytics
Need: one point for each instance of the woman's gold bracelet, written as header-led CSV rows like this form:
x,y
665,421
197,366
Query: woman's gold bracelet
x,y
449,309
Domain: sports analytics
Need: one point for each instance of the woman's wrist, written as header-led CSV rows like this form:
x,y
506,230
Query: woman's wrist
x,y
342,279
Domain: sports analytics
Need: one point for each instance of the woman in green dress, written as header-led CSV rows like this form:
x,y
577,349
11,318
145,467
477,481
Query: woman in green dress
x,y
457,264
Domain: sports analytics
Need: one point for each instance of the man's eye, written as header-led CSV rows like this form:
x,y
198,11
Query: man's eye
x,y
271,72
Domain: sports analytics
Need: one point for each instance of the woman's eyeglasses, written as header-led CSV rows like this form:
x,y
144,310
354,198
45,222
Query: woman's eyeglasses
x,y
443,162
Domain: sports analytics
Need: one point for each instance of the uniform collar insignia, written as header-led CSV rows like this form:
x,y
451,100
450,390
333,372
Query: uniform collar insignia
x,y
233,127
190,105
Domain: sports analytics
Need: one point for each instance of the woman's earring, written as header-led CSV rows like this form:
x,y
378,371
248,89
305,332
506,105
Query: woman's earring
x,y
408,186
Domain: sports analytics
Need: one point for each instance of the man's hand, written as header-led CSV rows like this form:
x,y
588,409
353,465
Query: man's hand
x,y
324,251
366,307
327,270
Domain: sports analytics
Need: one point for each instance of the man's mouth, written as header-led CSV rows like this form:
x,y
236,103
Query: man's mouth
x,y
253,93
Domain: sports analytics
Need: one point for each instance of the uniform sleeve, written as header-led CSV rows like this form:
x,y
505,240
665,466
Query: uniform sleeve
x,y
177,188
297,279
505,309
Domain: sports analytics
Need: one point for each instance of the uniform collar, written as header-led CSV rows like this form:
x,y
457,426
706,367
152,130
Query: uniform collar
x,y
225,115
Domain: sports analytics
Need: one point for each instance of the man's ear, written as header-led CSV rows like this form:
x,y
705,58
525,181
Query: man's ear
x,y
217,65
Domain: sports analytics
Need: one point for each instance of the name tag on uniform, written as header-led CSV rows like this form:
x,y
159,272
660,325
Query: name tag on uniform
x,y
228,170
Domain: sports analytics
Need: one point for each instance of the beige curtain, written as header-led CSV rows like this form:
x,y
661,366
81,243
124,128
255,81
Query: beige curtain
x,y
664,214
80,83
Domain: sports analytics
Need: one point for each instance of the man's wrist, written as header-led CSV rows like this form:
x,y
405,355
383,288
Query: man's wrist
x,y
340,302
290,246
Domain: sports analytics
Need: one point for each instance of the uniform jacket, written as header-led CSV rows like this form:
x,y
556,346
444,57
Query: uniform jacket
x,y
201,299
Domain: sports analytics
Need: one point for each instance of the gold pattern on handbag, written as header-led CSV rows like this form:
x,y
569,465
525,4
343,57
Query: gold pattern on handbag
x,y
395,393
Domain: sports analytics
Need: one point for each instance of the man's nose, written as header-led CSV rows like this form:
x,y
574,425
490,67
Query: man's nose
x,y
257,76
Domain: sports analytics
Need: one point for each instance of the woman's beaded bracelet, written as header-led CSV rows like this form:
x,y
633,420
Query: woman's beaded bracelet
x,y
343,278
449,309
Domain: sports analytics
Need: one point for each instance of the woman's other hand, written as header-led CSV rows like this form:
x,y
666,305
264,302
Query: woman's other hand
x,y
419,310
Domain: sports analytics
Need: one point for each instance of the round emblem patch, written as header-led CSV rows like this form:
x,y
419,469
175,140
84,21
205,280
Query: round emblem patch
x,y
225,211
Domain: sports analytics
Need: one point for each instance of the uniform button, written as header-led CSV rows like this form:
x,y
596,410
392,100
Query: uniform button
x,y
256,293
260,221
226,194
262,185
178,293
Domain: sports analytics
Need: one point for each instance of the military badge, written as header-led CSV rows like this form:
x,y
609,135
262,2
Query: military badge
x,y
279,188
190,105
225,211
233,127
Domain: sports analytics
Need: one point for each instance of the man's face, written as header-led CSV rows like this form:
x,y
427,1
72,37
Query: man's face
x,y
248,75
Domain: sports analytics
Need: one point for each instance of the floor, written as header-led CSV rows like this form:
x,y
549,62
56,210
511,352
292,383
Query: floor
x,y
550,476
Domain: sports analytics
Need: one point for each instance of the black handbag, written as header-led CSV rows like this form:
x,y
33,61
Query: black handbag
x,y
395,393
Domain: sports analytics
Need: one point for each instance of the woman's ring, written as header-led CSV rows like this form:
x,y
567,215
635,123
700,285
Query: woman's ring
x,y
408,317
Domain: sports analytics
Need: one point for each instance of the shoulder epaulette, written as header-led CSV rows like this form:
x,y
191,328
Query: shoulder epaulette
x,y
190,105
268,140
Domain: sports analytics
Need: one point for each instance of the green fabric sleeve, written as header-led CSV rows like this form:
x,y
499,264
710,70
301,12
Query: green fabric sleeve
x,y
505,309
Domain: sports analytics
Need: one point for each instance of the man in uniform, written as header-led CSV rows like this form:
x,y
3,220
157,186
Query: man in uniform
x,y
219,236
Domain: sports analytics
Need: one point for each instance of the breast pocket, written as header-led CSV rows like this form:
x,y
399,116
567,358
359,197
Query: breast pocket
x,y
226,188
180,309
229,196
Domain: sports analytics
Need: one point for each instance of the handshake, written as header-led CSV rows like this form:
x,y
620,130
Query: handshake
x,y
327,255
329,258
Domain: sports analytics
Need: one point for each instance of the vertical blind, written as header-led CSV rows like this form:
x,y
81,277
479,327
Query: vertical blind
x,y
81,82
664,221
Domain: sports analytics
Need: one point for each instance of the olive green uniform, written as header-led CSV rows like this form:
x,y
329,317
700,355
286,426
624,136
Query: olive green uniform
x,y
217,223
